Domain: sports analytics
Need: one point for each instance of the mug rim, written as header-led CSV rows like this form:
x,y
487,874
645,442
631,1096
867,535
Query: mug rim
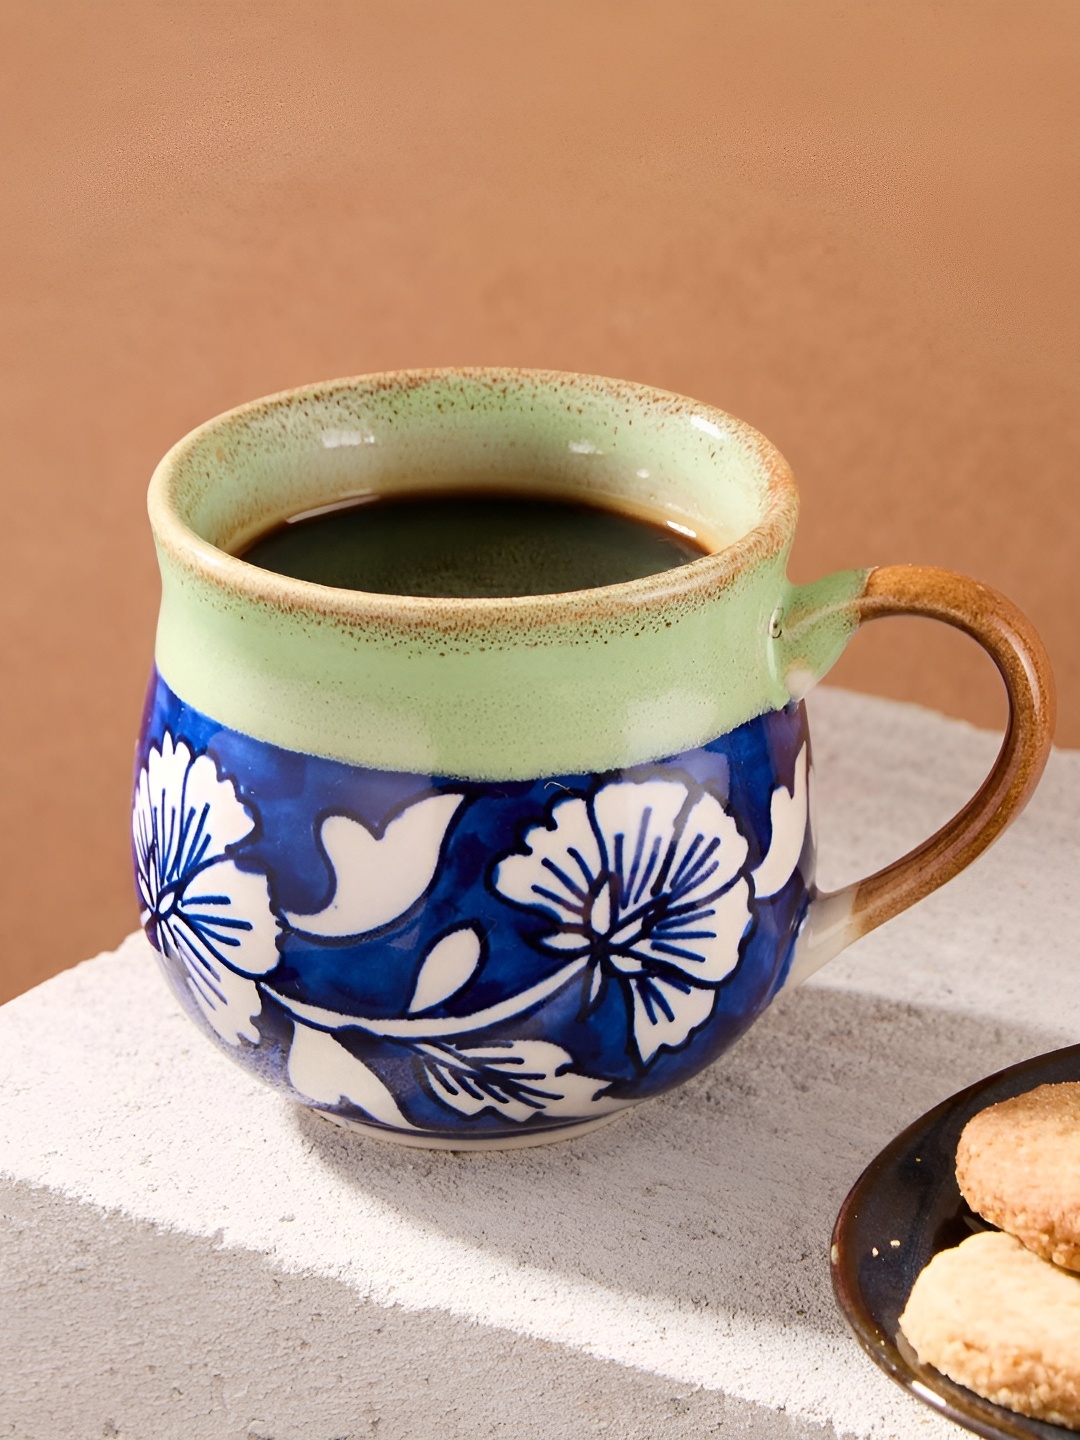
x,y
697,580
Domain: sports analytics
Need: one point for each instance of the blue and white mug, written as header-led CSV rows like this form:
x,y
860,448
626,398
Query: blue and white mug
x,y
483,873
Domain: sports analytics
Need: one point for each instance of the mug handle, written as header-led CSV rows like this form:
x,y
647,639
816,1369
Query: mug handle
x,y
838,917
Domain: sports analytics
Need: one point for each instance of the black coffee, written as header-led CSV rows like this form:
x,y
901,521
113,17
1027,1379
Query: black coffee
x,y
468,544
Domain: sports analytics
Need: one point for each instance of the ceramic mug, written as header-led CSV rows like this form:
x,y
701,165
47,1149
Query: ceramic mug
x,y
483,873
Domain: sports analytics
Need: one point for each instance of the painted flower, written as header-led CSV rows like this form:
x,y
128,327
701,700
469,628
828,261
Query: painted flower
x,y
645,882
515,1078
196,905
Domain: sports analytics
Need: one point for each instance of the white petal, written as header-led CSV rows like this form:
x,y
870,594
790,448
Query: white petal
x,y
703,943
141,813
228,820
558,864
653,1026
539,1058
788,813
600,915
473,1080
161,786
324,1071
183,817
199,814
229,1001
147,866
581,1096
637,820
166,765
376,880
448,965
709,853
569,940
224,915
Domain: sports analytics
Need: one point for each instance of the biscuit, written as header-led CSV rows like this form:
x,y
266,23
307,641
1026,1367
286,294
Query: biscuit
x,y
1018,1165
996,1318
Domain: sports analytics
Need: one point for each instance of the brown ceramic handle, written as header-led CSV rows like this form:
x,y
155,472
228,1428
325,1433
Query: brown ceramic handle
x,y
1012,643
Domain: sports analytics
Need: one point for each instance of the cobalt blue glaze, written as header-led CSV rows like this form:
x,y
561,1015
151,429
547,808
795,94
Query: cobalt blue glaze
x,y
466,961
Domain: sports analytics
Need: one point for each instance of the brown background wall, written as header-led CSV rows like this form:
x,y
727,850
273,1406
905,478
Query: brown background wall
x,y
853,224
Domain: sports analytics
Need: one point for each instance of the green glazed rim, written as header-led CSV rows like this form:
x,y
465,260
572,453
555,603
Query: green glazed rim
x,y
487,688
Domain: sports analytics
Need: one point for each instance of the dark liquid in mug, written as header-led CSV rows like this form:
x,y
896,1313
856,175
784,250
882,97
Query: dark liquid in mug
x,y
469,545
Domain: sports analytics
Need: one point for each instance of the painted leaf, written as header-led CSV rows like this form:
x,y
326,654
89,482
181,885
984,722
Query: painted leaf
x,y
516,1079
378,879
788,812
323,1070
666,1011
447,967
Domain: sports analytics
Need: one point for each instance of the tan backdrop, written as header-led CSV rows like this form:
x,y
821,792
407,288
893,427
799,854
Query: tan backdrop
x,y
851,222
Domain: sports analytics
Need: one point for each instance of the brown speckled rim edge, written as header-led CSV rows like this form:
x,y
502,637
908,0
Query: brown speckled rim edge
x,y
701,579
1021,659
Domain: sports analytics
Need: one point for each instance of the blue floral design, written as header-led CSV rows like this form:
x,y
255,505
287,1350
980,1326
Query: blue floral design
x,y
645,881
197,907
462,959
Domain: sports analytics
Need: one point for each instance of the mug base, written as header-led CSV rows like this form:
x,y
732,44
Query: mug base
x,y
440,1142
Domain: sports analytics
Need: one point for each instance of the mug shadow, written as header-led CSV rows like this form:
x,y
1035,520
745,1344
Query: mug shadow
x,y
721,1195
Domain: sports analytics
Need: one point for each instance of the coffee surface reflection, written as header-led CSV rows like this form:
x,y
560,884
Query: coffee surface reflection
x,y
471,545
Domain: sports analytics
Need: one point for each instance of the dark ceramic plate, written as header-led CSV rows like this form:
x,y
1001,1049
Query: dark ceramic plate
x,y
909,1195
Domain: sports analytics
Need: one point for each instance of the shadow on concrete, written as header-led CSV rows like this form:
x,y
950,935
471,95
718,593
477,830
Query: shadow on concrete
x,y
720,1196
143,1333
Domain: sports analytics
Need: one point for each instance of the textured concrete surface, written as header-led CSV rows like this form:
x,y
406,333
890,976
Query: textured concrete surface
x,y
185,1255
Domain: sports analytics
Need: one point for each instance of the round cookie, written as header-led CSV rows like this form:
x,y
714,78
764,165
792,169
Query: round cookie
x,y
996,1318
1018,1165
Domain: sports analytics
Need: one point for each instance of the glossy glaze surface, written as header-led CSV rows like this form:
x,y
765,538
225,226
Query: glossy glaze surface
x,y
567,706
470,962
493,689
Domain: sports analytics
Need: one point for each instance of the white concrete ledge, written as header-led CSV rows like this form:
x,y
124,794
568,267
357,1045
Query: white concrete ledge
x,y
186,1255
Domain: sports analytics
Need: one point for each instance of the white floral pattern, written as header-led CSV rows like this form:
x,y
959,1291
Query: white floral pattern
x,y
641,894
515,1078
448,965
377,877
197,906
646,880
321,1069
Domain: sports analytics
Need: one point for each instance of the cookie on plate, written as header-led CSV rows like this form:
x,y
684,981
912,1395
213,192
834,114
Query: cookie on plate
x,y
996,1318
1018,1165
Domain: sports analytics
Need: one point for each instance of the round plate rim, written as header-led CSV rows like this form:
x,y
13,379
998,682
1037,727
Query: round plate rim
x,y
954,1401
